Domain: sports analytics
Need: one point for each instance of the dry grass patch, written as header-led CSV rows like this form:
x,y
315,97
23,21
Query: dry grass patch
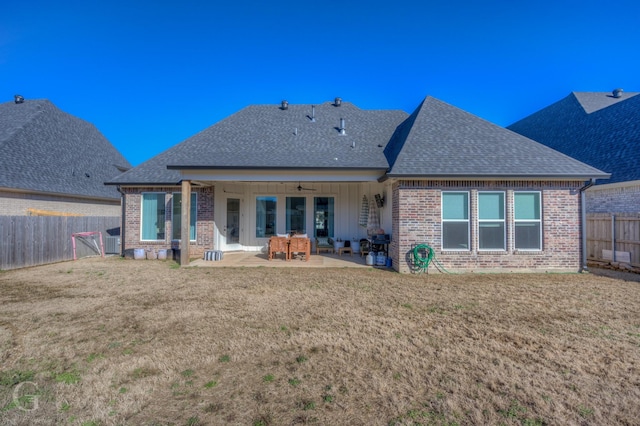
x,y
130,342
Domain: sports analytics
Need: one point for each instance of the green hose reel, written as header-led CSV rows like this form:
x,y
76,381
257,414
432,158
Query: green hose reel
x,y
423,256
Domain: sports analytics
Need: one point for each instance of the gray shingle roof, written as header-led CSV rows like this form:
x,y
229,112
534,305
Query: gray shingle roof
x,y
440,140
437,140
47,150
266,137
593,127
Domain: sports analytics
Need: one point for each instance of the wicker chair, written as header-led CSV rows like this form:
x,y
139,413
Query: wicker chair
x,y
299,245
324,244
278,245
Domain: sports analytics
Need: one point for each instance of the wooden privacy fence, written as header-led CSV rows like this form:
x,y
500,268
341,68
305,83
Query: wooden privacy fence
x,y
36,240
614,238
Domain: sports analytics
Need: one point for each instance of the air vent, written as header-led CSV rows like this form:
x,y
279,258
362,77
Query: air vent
x,y
617,93
284,105
18,99
337,102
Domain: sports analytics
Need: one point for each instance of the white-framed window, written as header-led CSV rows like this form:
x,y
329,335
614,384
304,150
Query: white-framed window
x,y
455,220
152,213
491,222
266,209
176,219
527,209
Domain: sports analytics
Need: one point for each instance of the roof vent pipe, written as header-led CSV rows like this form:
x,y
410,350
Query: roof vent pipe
x,y
313,113
18,99
617,93
337,102
285,105
342,129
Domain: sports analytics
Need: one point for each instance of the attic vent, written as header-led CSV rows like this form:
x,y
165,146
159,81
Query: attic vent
x,y
617,93
337,102
342,129
285,105
18,99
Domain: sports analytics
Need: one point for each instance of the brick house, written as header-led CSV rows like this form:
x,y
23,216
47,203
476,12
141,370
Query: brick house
x,y
482,197
54,163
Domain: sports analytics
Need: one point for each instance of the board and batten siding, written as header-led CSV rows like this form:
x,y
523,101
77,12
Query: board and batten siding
x,y
347,197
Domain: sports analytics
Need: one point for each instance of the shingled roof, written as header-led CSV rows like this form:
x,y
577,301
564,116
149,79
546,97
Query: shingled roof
x,y
596,128
437,140
440,140
271,137
47,150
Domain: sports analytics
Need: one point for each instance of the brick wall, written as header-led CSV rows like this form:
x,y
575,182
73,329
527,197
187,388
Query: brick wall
x,y
18,204
204,220
623,197
417,220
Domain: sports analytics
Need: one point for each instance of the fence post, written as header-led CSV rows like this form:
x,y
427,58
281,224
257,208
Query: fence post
x,y
613,238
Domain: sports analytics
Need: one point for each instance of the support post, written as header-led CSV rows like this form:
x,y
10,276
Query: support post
x,y
186,220
613,237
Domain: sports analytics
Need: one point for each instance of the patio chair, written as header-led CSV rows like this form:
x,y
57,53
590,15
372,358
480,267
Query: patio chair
x,y
299,245
278,245
365,247
324,244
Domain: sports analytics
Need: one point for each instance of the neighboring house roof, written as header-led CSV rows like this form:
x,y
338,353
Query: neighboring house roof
x,y
593,127
47,150
437,140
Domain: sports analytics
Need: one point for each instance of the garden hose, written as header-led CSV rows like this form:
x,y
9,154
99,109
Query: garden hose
x,y
421,262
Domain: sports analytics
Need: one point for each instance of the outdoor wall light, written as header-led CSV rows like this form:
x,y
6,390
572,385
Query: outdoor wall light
x,y
379,200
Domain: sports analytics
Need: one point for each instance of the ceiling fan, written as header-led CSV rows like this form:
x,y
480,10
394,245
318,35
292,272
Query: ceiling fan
x,y
301,188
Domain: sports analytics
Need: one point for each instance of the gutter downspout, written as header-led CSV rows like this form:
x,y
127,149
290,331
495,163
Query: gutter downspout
x,y
583,225
122,220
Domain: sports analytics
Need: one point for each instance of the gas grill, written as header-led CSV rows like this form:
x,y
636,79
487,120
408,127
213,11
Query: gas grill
x,y
380,243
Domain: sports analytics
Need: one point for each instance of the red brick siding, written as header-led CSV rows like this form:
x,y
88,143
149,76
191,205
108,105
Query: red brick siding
x,y
417,220
204,220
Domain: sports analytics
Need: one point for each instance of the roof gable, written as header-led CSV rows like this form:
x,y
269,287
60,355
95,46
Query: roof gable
x,y
595,101
444,141
48,150
593,127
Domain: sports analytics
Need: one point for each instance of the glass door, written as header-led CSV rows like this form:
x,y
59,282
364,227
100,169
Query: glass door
x,y
323,216
296,215
231,229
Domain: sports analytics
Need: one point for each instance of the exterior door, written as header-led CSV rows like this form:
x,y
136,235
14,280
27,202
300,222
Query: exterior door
x,y
231,230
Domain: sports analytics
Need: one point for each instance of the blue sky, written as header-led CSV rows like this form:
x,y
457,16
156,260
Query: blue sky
x,y
150,74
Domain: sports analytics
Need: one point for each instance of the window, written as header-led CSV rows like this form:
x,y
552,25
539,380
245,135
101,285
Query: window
x,y
455,221
265,217
491,230
152,216
527,221
323,216
177,216
295,217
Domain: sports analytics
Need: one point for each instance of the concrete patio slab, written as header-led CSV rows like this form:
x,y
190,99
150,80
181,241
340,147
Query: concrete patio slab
x,y
255,259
